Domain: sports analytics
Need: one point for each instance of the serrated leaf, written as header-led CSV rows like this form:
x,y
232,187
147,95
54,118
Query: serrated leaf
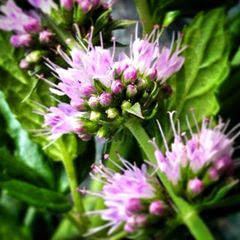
x,y
35,196
206,67
135,110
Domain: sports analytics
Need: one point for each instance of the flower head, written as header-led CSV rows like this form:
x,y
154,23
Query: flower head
x,y
206,155
15,19
60,120
130,197
110,85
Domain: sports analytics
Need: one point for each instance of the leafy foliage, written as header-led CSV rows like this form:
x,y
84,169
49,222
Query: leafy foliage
x,y
206,66
38,197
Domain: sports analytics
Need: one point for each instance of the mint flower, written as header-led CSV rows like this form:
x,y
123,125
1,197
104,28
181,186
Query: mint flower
x,y
106,88
132,198
15,19
200,160
60,120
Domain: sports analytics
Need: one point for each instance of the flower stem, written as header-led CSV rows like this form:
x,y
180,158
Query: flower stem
x,y
144,15
72,179
188,213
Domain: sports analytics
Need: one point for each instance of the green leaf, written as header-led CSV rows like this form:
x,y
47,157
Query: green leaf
x,y
206,67
27,151
102,20
219,195
236,59
15,168
122,23
135,110
16,86
35,196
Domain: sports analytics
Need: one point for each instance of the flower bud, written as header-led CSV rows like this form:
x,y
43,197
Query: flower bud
x,y
133,205
142,84
45,36
95,116
24,64
34,56
152,73
84,137
85,5
33,26
117,87
105,99
112,113
157,208
141,220
195,186
131,90
126,105
120,67
79,129
89,126
95,3
103,132
93,101
223,163
86,90
23,40
213,174
79,104
67,4
128,228
130,74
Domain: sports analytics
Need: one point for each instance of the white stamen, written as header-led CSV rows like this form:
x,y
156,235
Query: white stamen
x,y
189,125
195,121
162,134
172,123
97,229
101,39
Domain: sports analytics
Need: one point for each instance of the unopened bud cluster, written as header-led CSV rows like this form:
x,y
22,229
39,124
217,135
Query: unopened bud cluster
x,y
106,91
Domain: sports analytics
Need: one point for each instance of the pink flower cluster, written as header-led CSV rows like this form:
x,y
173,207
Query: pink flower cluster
x,y
103,86
25,25
131,198
198,161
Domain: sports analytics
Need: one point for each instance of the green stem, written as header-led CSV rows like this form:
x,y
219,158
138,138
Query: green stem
x,y
118,236
72,178
144,15
188,213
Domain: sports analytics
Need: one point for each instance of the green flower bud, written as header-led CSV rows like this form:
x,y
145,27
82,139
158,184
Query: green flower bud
x,y
103,132
126,105
34,56
89,126
95,116
142,84
112,113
